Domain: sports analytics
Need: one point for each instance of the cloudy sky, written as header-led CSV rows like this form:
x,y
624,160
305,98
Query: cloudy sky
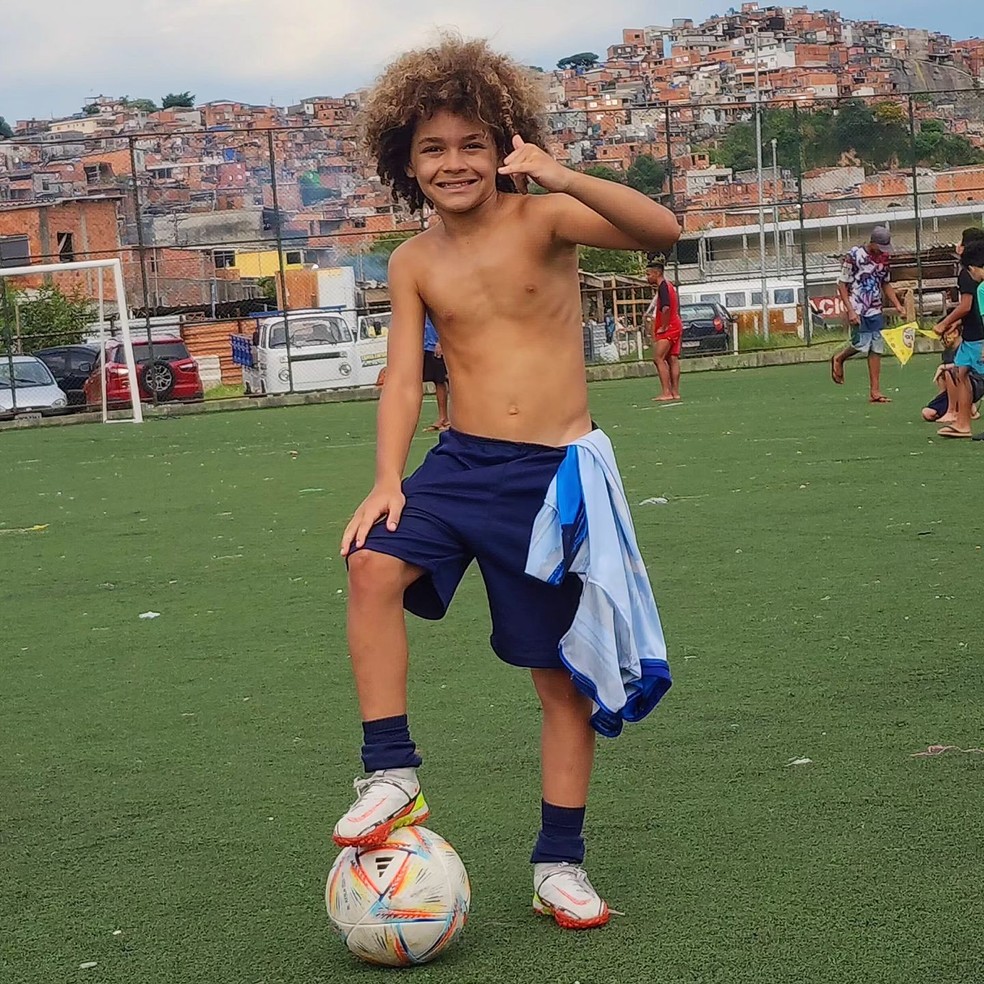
x,y
56,54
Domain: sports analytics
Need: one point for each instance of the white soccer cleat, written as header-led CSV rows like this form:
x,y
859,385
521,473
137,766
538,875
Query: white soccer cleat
x,y
387,800
564,892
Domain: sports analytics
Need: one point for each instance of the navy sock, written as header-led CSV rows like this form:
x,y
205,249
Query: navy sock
x,y
560,835
387,745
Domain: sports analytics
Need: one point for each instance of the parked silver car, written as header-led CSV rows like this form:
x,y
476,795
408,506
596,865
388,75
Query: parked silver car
x,y
32,391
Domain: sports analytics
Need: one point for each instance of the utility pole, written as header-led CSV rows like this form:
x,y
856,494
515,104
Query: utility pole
x,y
775,202
761,184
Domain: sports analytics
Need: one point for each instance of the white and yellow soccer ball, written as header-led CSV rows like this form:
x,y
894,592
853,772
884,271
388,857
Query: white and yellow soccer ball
x,y
401,903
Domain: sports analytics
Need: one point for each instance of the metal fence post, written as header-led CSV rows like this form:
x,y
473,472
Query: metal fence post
x,y
915,199
280,256
669,172
142,252
801,207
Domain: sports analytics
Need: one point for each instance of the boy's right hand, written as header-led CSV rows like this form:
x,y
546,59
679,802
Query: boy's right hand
x,y
383,500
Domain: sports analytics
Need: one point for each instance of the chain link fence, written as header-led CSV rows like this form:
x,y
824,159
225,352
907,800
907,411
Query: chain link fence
x,y
242,241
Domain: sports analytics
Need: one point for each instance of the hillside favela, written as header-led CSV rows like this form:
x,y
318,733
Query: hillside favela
x,y
779,135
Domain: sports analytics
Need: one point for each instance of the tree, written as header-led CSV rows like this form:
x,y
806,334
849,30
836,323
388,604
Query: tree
x,y
583,59
877,136
385,244
605,173
535,68
268,288
937,148
5,131
646,175
142,105
90,109
52,316
312,191
179,100
594,260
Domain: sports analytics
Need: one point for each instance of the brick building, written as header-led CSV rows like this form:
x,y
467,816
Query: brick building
x,y
61,232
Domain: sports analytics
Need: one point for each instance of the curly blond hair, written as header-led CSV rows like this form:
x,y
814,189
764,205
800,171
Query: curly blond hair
x,y
464,77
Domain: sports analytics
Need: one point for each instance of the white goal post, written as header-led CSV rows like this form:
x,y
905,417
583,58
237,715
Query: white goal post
x,y
117,268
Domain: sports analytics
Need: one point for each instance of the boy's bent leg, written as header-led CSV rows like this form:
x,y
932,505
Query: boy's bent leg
x,y
837,361
377,631
561,888
390,797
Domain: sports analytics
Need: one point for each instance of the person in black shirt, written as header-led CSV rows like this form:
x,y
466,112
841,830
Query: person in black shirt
x,y
968,357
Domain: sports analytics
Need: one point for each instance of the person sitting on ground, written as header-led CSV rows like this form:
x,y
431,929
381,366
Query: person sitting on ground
x,y
938,408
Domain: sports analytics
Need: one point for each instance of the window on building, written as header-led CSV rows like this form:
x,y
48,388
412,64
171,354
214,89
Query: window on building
x,y
734,299
783,296
14,251
687,251
66,248
152,265
224,258
293,257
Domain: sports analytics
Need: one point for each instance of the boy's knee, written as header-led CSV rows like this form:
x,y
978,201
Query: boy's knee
x,y
372,573
556,689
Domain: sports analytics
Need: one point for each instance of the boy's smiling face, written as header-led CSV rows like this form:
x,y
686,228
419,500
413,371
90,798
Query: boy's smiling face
x,y
455,161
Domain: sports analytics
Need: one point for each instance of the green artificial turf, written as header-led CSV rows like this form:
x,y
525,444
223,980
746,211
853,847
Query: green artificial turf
x,y
818,567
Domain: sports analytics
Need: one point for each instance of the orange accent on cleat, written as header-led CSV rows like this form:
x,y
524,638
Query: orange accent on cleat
x,y
379,835
565,921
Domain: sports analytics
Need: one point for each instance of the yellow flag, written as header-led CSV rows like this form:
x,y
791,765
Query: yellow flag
x,y
928,332
901,340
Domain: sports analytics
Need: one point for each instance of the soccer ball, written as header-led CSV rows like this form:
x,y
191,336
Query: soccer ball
x,y
401,903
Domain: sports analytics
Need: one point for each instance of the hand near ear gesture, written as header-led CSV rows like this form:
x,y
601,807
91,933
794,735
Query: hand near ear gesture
x,y
529,161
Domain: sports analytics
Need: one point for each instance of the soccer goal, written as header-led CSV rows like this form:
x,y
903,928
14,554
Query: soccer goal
x,y
116,267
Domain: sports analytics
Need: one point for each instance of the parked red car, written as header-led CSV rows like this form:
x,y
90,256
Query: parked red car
x,y
172,374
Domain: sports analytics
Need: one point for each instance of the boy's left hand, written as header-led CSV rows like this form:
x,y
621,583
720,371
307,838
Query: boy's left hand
x,y
529,161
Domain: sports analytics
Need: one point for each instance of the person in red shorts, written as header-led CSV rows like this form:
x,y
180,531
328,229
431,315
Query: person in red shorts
x,y
664,315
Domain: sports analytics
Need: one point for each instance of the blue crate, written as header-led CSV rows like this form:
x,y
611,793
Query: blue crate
x,y
242,351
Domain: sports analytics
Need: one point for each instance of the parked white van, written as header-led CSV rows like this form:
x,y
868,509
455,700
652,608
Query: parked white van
x,y
322,351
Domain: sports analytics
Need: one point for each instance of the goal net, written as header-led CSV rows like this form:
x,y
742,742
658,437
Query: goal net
x,y
111,386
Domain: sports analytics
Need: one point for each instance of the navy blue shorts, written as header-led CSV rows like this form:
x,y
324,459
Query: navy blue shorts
x,y
475,498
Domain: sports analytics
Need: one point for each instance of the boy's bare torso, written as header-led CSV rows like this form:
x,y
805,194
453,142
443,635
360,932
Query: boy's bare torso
x,y
505,299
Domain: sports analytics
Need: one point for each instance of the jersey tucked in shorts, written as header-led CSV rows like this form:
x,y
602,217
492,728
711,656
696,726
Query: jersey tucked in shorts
x,y
475,498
